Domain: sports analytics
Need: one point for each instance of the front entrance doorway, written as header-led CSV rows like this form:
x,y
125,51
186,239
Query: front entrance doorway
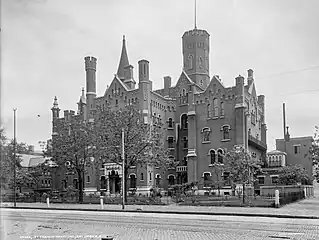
x,y
115,182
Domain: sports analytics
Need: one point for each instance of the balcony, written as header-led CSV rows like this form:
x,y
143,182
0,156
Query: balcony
x,y
257,143
181,169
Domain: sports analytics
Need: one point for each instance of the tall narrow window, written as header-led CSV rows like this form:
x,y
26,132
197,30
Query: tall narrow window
x,y
222,110
212,154
206,134
158,181
171,180
220,156
142,177
132,181
190,61
200,62
185,142
215,107
225,130
170,142
184,121
170,123
209,111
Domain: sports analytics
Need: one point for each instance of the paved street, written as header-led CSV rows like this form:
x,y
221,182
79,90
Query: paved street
x,y
22,223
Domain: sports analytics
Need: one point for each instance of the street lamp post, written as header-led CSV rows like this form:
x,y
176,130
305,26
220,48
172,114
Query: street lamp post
x,y
14,156
123,172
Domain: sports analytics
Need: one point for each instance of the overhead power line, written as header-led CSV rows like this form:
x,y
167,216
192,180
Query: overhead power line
x,y
289,72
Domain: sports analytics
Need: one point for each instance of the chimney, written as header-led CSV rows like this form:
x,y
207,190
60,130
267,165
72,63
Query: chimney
x,y
250,77
167,85
71,114
66,115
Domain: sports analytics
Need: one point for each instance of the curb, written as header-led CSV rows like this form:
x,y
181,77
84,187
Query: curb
x,y
176,212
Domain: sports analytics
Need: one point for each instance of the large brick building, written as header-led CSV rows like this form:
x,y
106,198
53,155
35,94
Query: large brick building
x,y
201,116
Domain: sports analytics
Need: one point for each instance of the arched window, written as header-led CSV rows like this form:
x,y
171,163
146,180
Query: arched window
x,y
222,110
184,121
220,153
190,61
206,176
142,177
158,180
200,62
184,92
170,123
225,130
171,179
150,176
206,134
209,111
212,154
215,107
132,181
88,179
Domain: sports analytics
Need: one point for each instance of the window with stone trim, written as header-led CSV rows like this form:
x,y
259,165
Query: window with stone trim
x,y
190,61
170,123
222,109
142,177
226,132
206,134
184,120
215,107
220,156
171,180
170,141
158,180
212,154
209,111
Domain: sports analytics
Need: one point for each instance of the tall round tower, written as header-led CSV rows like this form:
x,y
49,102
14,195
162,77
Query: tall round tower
x,y
90,68
196,56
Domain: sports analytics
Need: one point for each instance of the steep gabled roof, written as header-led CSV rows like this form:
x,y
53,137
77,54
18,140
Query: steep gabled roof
x,y
123,61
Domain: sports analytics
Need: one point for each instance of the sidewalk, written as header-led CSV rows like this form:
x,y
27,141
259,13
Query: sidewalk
x,y
308,208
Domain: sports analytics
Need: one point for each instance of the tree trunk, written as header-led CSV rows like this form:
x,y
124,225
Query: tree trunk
x,y
80,186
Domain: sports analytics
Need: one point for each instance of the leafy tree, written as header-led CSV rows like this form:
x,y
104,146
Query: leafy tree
x,y
72,147
143,143
314,153
291,175
7,163
242,167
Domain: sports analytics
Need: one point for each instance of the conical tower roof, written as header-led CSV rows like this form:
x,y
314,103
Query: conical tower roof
x,y
123,61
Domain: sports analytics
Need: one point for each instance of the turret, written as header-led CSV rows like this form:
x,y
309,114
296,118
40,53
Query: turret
x,y
250,77
90,68
196,56
82,105
145,88
55,115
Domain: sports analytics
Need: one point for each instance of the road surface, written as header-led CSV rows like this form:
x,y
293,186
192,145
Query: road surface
x,y
64,224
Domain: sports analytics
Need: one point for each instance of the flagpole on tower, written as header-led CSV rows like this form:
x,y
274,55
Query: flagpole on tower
x,y
195,16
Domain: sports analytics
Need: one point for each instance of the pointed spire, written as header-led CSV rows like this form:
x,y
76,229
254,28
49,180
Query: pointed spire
x,y
55,102
82,97
123,61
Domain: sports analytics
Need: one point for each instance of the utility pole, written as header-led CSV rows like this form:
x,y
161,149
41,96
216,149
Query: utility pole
x,y
14,157
123,171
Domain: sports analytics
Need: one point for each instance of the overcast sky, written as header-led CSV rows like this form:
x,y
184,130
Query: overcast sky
x,y
44,43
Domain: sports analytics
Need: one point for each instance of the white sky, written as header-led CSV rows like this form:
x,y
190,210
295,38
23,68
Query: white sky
x,y
44,43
